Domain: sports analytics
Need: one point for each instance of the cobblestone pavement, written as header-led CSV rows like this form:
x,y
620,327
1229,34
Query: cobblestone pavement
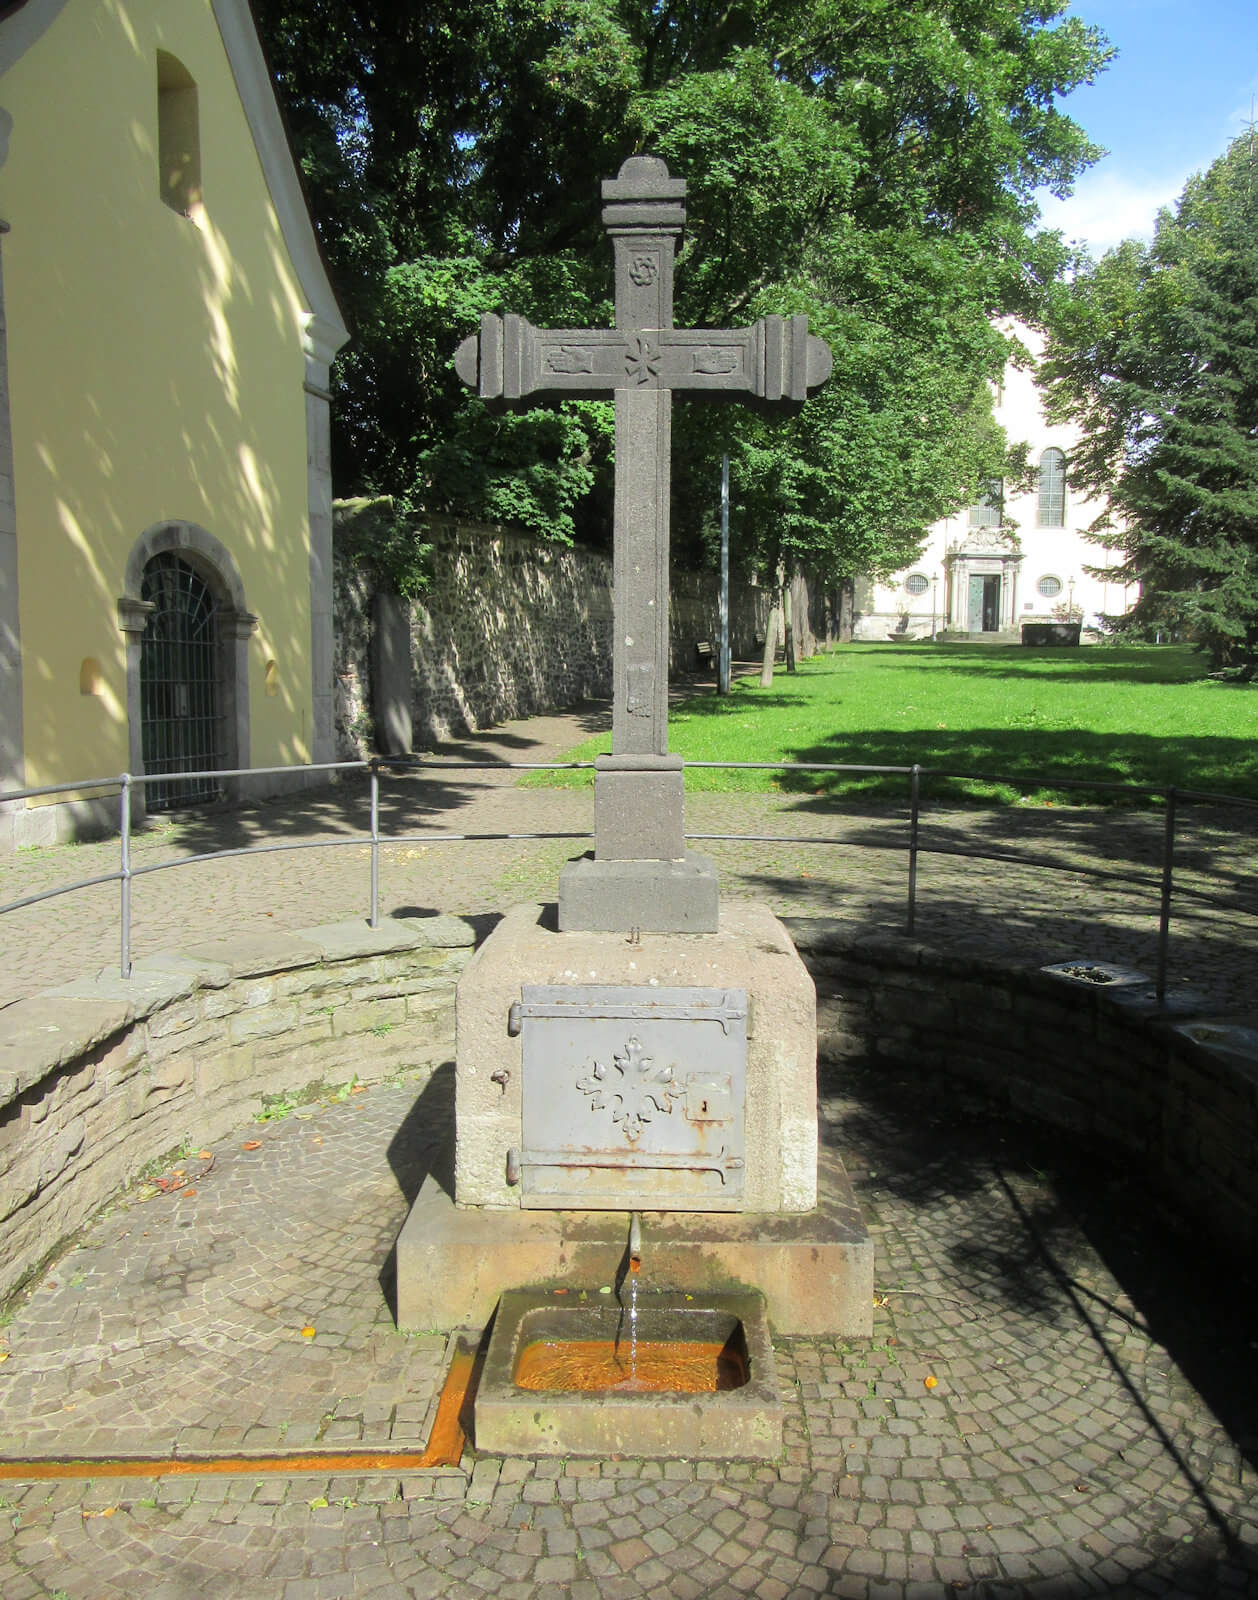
x,y
859,872
1057,1401
1091,1426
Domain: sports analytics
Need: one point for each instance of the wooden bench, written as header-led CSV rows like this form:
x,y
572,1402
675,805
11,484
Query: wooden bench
x,y
705,653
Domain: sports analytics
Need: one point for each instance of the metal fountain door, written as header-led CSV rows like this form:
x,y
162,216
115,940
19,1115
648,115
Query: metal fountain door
x,y
632,1098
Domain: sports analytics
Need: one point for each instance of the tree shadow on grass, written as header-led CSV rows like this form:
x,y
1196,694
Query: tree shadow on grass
x,y
1033,758
1108,664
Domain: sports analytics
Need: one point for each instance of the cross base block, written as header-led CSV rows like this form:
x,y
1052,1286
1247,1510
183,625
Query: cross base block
x,y
638,806
653,896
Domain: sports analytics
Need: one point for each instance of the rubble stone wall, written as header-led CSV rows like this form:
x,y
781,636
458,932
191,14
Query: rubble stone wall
x,y
103,1076
511,626
1177,1097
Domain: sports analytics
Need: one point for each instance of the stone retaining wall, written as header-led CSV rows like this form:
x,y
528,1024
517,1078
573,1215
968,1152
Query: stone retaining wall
x,y
1175,1095
101,1076
511,626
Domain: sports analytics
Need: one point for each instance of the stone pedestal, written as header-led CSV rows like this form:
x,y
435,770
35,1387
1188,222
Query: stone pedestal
x,y
815,1269
638,806
614,897
641,875
751,952
796,1232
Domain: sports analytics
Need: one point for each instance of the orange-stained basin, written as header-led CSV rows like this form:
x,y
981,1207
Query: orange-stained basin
x,y
667,1375
690,1366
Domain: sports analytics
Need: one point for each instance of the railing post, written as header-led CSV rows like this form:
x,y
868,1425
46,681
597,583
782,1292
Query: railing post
x,y
124,835
915,801
1164,924
375,843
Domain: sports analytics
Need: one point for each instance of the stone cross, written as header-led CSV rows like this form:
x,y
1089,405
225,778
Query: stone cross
x,y
641,875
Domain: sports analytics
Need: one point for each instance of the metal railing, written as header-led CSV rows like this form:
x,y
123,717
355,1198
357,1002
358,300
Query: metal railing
x,y
126,783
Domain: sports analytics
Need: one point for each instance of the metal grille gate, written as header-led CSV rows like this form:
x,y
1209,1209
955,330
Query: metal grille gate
x,y
181,727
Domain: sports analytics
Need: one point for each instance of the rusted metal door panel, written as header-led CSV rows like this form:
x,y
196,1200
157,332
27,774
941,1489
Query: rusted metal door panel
x,y
633,1097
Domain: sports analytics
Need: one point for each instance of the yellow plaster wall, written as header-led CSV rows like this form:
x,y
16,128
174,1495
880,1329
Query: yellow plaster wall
x,y
156,373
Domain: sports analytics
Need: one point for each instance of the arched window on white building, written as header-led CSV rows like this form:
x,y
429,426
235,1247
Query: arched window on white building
x,y
988,513
1052,484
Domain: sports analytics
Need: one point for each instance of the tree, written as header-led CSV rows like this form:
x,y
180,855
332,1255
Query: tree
x,y
869,163
1154,352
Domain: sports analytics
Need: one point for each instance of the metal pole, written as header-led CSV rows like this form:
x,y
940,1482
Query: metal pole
x,y
916,794
124,835
1164,925
375,844
722,660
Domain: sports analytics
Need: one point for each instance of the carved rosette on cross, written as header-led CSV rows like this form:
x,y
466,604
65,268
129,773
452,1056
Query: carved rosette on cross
x,y
642,875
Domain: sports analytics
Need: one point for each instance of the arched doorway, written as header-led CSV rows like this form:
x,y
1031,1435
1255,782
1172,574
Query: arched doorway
x,y
187,628
181,688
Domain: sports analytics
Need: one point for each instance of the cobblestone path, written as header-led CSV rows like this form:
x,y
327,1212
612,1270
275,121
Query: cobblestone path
x,y
1057,1401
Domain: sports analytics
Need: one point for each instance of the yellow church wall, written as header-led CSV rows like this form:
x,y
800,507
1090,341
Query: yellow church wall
x,y
156,374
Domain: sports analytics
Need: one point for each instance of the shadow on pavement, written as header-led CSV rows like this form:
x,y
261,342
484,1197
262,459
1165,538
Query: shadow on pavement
x,y
422,1147
1048,1208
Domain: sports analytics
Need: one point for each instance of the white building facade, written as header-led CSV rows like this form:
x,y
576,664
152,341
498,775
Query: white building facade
x,y
1014,558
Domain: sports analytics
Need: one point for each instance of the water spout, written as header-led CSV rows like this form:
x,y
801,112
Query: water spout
x,y
635,1242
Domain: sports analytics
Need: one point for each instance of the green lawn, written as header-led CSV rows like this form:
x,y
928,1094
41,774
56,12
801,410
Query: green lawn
x,y
1143,715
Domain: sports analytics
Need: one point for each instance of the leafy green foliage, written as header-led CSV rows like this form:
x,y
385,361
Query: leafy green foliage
x,y
867,163
380,535
1154,352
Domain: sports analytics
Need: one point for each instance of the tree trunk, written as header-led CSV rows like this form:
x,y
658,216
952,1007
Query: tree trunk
x,y
788,624
847,604
770,647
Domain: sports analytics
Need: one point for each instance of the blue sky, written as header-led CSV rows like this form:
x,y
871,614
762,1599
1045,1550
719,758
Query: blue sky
x,y
1180,90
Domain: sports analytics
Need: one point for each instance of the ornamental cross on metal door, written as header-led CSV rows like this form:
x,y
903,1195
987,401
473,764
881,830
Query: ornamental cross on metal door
x,y
642,360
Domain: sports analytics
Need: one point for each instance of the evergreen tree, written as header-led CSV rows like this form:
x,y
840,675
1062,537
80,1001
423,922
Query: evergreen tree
x,y
1154,352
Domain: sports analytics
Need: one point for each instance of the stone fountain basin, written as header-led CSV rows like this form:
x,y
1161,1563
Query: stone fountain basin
x,y
663,1423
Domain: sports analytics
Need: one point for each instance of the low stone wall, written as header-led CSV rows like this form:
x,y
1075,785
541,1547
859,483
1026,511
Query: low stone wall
x,y
1080,1046
101,1076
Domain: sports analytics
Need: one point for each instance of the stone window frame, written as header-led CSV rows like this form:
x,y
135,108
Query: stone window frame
x,y
917,584
212,559
1044,586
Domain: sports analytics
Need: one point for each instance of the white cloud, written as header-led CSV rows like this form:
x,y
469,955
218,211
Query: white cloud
x,y
1107,208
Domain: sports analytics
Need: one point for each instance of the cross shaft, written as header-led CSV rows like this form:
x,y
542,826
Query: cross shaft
x,y
641,362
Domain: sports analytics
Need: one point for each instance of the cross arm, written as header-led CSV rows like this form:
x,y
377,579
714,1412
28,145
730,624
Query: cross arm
x,y
775,360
